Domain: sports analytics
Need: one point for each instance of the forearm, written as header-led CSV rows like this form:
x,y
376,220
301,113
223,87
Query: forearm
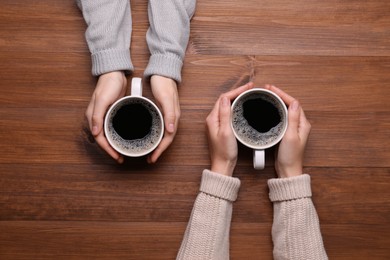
x,y
296,230
207,233
108,34
168,36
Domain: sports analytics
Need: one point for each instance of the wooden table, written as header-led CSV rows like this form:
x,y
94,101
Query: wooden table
x,y
63,198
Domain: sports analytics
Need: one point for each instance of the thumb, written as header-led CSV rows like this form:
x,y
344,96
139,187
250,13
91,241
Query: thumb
x,y
169,117
293,118
224,112
98,113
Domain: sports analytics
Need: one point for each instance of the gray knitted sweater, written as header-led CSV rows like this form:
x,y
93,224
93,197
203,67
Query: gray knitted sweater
x,y
109,30
295,232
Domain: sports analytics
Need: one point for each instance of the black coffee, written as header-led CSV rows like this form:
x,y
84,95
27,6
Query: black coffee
x,y
132,121
261,114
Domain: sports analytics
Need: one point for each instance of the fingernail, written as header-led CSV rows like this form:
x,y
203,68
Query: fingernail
x,y
294,105
94,129
171,128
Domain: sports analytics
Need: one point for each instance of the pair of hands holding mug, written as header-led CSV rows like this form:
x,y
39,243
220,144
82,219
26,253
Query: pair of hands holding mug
x,y
223,144
111,87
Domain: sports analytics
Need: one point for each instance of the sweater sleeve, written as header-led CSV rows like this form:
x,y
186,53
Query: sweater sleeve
x,y
207,233
168,36
296,229
108,34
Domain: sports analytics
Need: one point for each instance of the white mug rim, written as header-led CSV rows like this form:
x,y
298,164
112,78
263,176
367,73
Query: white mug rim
x,y
284,107
113,145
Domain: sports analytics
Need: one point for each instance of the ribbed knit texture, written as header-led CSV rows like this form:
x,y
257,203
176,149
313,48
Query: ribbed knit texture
x,y
111,60
296,230
289,188
207,233
219,185
108,34
109,30
168,36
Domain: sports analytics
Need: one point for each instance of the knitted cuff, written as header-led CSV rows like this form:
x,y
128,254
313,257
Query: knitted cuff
x,y
219,185
164,65
289,188
111,60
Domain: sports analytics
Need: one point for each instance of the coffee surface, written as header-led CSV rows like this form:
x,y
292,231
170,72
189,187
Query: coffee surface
x,y
258,119
138,127
261,114
132,121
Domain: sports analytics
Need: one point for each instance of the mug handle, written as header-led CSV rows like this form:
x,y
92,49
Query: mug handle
x,y
136,87
258,159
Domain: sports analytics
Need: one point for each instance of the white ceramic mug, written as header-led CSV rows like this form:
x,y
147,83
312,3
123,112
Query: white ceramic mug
x,y
134,126
259,121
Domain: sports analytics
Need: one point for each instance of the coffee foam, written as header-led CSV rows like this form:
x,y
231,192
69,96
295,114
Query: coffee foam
x,y
136,146
246,132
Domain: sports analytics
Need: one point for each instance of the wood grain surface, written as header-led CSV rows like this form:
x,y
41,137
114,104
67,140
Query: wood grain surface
x,y
61,197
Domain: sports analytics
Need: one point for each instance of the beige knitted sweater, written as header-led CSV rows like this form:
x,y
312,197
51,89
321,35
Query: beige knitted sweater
x,y
295,231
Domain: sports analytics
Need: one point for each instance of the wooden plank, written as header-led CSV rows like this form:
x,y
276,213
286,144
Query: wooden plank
x,y
332,28
167,193
356,241
140,240
87,240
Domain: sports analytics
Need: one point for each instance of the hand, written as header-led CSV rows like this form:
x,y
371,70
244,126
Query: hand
x,y
289,158
222,142
167,98
109,88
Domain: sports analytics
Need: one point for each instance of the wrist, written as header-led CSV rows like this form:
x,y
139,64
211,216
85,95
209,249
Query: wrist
x,y
163,79
116,73
224,168
289,172
168,65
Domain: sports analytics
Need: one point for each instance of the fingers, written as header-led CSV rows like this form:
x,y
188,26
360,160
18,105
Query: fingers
x,y
298,125
171,124
212,120
165,92
293,119
171,111
283,95
236,92
224,112
95,116
99,134
164,144
100,107
296,117
304,126
103,143
88,113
